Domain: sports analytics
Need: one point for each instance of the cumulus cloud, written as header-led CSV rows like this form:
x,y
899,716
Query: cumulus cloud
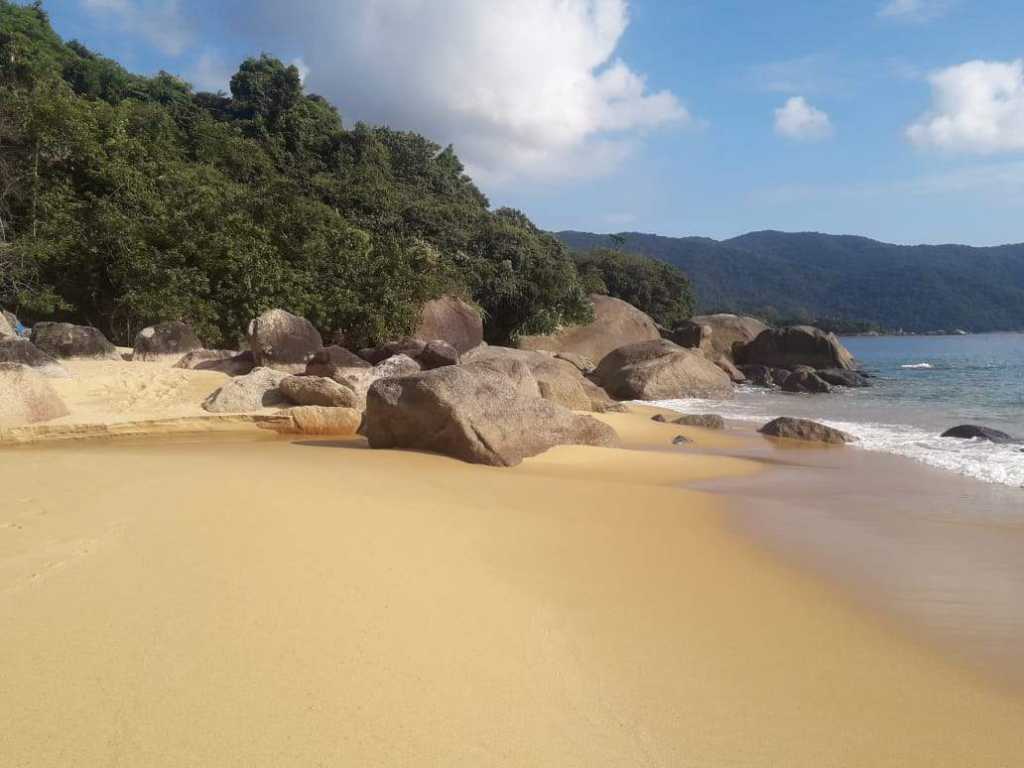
x,y
914,10
798,120
523,88
161,22
210,72
978,107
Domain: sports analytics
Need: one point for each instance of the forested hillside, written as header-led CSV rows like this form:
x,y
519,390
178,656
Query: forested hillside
x,y
847,283
127,200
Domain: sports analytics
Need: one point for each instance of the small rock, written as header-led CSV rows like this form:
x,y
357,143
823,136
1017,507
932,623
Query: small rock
x,y
805,380
437,354
839,377
680,440
704,421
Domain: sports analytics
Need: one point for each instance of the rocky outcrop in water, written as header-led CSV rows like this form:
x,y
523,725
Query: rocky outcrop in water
x,y
797,345
975,432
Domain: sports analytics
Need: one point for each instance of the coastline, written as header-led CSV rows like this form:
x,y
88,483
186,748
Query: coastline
x,y
239,602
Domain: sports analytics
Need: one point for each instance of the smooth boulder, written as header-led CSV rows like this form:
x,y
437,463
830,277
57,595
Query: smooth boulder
x,y
224,361
318,390
805,430
729,330
701,420
660,370
975,432
689,335
14,349
794,346
256,390
26,397
322,422
616,324
164,342
475,414
283,341
68,341
453,321
559,381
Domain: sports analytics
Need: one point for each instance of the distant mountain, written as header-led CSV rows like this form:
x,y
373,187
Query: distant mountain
x,y
850,281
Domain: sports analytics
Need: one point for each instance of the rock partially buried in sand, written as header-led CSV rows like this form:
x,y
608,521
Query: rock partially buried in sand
x,y
557,380
251,392
660,370
680,440
319,391
473,413
317,420
165,342
808,431
703,420
283,341
224,361
974,432
24,352
26,397
64,340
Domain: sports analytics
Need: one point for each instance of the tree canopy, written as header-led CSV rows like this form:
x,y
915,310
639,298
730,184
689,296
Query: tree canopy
x,y
128,200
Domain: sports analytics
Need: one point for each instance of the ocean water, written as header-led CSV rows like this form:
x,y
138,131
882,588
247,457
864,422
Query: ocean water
x,y
922,387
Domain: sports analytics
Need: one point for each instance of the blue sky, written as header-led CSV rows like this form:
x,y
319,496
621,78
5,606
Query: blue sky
x,y
896,119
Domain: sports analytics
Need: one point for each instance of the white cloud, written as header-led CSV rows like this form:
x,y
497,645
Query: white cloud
x,y
161,22
798,120
300,65
211,72
915,10
525,89
978,107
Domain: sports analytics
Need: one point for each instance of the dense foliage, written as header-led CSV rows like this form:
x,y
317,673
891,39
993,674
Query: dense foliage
x,y
659,289
128,200
849,284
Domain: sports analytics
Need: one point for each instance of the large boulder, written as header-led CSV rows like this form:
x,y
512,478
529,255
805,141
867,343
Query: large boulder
x,y
251,392
729,330
165,342
474,413
453,321
23,352
660,370
26,397
317,390
429,354
974,432
64,340
559,381
808,431
283,341
795,346
735,374
616,324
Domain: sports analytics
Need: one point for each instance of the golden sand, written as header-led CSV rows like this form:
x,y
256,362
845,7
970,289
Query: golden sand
x,y
276,603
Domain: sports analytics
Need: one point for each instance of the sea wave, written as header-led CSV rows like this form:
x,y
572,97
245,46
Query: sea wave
x,y
988,462
920,366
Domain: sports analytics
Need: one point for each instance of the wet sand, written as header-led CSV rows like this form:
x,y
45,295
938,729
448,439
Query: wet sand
x,y
272,602
941,554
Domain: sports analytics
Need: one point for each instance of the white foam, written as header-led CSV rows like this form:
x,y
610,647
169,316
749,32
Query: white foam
x,y
981,460
919,366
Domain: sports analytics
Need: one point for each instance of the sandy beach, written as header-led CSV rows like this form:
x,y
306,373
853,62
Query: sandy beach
x,y
265,601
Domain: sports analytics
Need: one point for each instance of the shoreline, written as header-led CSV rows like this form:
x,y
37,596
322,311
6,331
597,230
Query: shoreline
x,y
286,600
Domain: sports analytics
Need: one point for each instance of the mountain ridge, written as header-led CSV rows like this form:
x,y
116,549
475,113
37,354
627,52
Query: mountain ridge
x,y
849,282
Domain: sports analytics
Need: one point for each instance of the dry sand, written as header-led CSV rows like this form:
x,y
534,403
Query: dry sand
x,y
272,603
